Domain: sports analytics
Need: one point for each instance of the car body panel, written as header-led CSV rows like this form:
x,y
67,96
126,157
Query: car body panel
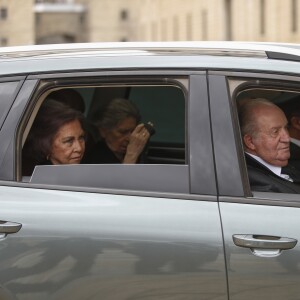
x,y
151,62
212,55
88,245
251,276
224,139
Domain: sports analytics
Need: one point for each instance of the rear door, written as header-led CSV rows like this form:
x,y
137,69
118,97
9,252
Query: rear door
x,y
158,238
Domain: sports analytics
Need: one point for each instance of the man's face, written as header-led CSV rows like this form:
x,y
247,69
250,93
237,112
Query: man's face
x,y
117,138
271,141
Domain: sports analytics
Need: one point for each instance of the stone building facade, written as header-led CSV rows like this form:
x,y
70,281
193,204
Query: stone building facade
x,y
57,21
266,20
16,22
61,22
111,20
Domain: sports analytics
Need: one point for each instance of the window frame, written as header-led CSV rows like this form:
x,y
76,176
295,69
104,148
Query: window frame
x,y
8,134
3,13
199,184
235,83
46,84
10,97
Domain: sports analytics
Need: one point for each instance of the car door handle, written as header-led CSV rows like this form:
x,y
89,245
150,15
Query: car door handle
x,y
264,245
9,227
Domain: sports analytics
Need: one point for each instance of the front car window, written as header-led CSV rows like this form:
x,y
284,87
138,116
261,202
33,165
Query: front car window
x,y
270,141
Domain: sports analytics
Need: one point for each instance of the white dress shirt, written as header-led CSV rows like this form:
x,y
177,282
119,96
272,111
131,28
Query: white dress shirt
x,y
274,169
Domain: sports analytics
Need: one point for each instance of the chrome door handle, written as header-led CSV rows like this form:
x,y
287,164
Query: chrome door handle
x,y
264,245
9,227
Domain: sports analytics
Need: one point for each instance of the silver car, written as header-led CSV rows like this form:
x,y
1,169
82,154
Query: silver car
x,y
184,225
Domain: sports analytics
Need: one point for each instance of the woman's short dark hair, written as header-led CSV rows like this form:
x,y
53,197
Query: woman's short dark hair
x,y
116,111
69,97
50,118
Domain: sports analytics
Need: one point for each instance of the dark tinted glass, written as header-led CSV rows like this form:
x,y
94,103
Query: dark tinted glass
x,y
7,95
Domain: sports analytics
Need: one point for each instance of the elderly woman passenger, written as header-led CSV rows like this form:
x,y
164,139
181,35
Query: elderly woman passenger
x,y
123,139
56,137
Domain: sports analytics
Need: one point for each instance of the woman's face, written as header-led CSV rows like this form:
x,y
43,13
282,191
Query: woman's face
x,y
117,138
68,144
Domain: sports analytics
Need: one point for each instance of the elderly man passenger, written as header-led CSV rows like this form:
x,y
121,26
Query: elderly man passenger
x,y
267,145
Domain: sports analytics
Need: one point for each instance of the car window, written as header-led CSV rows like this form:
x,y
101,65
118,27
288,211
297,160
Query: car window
x,y
164,105
286,96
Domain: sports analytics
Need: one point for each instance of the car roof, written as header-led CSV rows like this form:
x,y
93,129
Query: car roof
x,y
122,48
69,57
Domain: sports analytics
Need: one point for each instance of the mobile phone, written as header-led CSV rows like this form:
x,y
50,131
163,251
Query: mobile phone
x,y
150,128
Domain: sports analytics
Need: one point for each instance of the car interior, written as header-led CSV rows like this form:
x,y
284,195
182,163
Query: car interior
x,y
163,105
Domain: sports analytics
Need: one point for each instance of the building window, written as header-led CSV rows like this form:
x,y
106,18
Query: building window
x,y
204,24
189,27
124,15
262,17
37,19
228,20
294,14
82,18
175,28
3,13
154,31
164,31
3,42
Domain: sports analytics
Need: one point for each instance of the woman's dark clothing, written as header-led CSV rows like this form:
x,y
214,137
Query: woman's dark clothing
x,y
101,154
28,165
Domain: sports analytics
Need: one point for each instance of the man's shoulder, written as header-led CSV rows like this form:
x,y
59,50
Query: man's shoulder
x,y
255,164
264,180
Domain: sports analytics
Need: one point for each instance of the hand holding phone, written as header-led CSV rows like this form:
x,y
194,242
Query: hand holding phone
x,y
149,126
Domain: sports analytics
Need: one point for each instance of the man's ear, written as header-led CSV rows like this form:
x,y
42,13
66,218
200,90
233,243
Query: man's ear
x,y
248,142
295,122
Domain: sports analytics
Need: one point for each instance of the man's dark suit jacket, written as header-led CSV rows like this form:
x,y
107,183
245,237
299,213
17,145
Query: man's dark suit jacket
x,y
263,180
295,156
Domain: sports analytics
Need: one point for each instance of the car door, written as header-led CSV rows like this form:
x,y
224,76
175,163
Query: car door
x,y
261,230
149,240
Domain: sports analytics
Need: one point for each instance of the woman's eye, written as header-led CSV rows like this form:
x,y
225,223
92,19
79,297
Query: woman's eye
x,y
68,141
82,138
123,132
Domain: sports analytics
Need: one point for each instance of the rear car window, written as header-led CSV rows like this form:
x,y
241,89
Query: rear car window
x,y
165,153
